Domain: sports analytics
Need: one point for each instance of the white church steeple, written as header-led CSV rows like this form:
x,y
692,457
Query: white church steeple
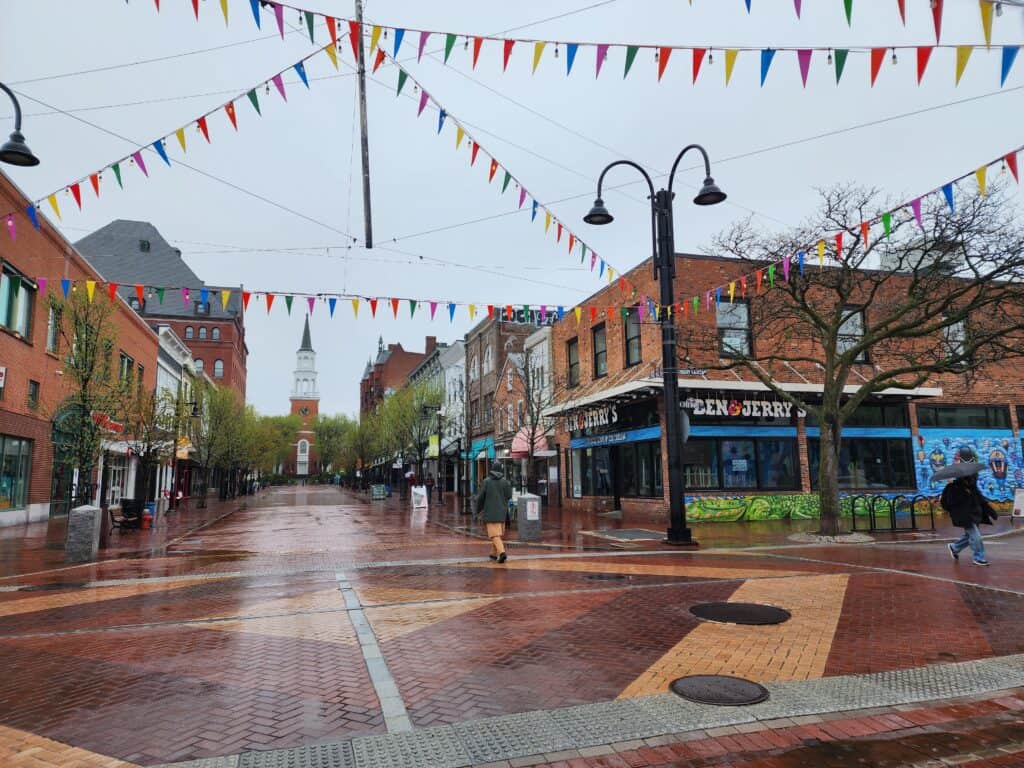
x,y
304,386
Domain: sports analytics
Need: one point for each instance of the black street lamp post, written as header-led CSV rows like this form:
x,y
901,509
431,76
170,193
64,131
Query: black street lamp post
x,y
663,245
440,457
15,151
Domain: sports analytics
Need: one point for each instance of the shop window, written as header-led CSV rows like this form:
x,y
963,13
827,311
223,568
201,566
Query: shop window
x,y
738,464
867,463
634,351
572,348
600,351
17,298
218,369
741,464
733,329
964,416
215,334
33,395
873,415
700,464
640,469
777,466
850,334
52,330
189,332
15,471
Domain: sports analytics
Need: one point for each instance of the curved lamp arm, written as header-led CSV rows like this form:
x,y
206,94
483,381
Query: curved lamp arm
x,y
17,106
650,186
675,165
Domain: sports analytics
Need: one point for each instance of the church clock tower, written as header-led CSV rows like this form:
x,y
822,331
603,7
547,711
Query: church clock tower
x,y
305,401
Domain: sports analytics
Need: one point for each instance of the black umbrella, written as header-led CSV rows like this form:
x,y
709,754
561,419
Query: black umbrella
x,y
963,469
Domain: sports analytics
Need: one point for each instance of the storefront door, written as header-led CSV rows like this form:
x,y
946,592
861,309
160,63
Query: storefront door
x,y
616,480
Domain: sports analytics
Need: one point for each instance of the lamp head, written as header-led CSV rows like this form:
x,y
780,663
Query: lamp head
x,y
709,194
598,214
16,152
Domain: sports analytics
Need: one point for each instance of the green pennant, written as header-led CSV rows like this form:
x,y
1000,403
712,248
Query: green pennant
x,y
583,252
288,303
848,4
412,307
504,184
625,313
309,23
696,305
841,54
160,294
630,55
402,77
255,101
449,43
771,275
887,223
117,174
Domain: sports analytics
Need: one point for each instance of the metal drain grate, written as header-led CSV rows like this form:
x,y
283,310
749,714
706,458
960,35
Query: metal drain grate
x,y
55,585
632,534
607,577
741,613
719,690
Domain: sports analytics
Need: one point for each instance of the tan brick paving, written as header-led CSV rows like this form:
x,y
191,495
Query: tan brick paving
x,y
637,569
392,623
369,595
333,627
19,749
13,607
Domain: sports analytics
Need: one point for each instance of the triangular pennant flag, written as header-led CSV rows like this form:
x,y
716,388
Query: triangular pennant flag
x,y
841,54
300,70
803,57
224,10
593,315
543,313
533,212
373,307
547,221
423,101
204,295
270,302
255,4
578,311
767,55
394,307
355,35
90,289
494,169
412,307
30,211
64,286
472,311
915,206
771,275
902,6
732,291
473,154
254,99
797,4
986,20
76,192
522,196
865,230
423,44
288,299
947,192
698,59
800,259
980,175
451,312
821,253
839,246
507,52
140,293
230,109
245,298
730,62
375,36
508,311
279,84
663,55
1009,56
570,57
785,269
433,309
963,55
924,55
441,115
877,57
94,179
477,43
195,8
180,133
887,223
41,285
309,24
11,230
748,5
561,313
225,296
696,301
600,272
602,54
459,135
158,145
52,200
332,54
572,241
449,43
1011,163
203,128
558,233
504,184
631,52
279,17
848,7
111,290
538,51
399,36
355,306
402,77
137,157
937,19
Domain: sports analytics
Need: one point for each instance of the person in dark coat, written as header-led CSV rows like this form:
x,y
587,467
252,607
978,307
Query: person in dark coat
x,y
968,508
493,501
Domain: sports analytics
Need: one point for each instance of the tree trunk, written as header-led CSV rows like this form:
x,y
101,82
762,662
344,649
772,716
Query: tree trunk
x,y
828,481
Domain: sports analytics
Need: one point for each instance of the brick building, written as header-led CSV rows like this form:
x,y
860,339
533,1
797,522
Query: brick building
x,y
305,403
750,455
134,253
31,361
389,372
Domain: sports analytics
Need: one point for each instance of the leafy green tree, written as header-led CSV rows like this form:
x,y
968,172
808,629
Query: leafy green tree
x,y
332,433
408,419
151,429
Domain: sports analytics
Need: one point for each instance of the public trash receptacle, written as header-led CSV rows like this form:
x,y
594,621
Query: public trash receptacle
x,y
528,518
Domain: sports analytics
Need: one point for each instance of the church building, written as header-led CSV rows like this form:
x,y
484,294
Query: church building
x,y
305,403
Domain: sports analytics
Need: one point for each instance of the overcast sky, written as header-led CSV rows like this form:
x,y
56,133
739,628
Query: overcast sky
x,y
554,133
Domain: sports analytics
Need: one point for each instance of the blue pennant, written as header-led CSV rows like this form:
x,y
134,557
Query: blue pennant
x,y
1009,56
766,62
256,11
204,294
158,145
570,56
800,255
440,120
561,312
302,73
533,213
31,211
64,286
947,190
332,302
399,34
451,313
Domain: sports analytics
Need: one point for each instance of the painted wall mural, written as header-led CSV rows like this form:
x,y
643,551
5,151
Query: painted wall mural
x,y
998,449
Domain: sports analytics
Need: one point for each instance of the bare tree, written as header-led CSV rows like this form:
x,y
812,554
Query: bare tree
x,y
940,301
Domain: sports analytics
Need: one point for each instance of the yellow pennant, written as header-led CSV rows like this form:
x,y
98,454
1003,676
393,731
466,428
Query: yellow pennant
x,y
90,289
53,204
224,296
732,291
981,174
986,21
224,10
180,133
472,311
538,50
332,55
578,311
730,62
374,37
963,55
459,136
821,253
355,307
611,275
547,221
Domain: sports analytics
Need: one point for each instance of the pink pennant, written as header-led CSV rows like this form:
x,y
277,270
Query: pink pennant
x,y
804,58
915,206
433,309
11,230
602,52
311,300
137,157
184,295
41,283
423,43
423,102
279,15
279,84
593,260
797,4
522,196
785,268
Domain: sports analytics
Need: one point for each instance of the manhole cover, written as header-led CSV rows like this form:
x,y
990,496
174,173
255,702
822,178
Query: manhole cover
x,y
741,613
719,690
606,577
53,586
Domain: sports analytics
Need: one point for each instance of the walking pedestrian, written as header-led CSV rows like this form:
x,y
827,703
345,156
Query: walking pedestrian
x,y
493,501
968,509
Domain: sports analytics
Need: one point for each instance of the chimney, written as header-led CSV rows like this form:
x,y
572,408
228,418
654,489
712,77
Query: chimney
x,y
431,344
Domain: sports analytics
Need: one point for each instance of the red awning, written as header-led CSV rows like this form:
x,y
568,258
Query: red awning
x,y
521,443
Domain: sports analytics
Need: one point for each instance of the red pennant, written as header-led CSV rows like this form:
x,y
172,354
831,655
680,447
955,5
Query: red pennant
x,y
508,311
230,109
698,59
760,276
494,169
611,314
355,30
743,287
1011,163
572,241
195,8
902,5
379,60
593,315
663,55
558,235
937,18
839,246
157,5
865,228
76,192
924,55
140,292
508,51
686,309
111,290
373,307
622,284
245,300
270,302
394,307
332,29
472,156
490,311
201,122
877,57
94,179
477,42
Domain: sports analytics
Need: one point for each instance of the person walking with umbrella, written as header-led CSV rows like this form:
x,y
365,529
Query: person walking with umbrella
x,y
966,505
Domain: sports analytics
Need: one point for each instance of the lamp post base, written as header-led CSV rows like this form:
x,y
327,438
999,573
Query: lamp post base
x,y
680,537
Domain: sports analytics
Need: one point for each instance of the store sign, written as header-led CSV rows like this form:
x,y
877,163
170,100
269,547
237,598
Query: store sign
x,y
104,422
765,409
591,418
693,371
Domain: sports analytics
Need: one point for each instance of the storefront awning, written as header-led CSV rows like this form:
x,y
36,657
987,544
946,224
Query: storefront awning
x,y
521,443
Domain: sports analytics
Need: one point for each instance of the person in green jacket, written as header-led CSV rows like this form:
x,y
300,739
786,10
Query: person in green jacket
x,y
493,501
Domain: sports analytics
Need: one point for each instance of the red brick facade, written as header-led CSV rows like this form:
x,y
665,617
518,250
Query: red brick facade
x,y
389,372
230,349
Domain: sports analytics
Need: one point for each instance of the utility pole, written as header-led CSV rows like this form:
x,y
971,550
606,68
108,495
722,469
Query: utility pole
x,y
364,135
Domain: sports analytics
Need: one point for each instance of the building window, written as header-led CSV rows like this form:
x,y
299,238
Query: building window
x,y
510,416
633,346
741,464
474,414
867,463
202,308
216,334
733,329
873,415
488,360
138,377
188,332
487,403
640,467
144,246
199,365
125,369
850,334
508,382
33,395
15,471
16,302
474,368
954,343
52,330
522,414
202,333
600,339
218,371
964,416
303,448
572,348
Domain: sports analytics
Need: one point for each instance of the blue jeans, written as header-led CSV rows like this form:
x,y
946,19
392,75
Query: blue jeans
x,y
972,539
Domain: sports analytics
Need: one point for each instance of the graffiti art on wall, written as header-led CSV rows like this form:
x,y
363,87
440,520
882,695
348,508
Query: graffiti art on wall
x,y
728,509
1000,451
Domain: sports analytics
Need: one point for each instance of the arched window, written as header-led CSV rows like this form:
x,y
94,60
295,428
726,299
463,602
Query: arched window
x,y
218,369
188,332
216,334
202,332
303,447
488,360
199,365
